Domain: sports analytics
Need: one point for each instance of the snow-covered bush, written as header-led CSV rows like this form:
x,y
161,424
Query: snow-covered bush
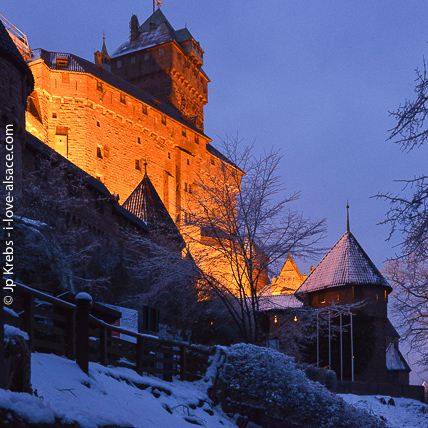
x,y
268,387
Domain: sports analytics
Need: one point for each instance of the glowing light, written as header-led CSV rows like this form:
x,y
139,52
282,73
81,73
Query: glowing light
x,y
275,319
295,318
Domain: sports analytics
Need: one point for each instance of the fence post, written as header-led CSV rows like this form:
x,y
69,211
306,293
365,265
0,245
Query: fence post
x,y
70,338
183,363
83,304
140,355
103,345
28,321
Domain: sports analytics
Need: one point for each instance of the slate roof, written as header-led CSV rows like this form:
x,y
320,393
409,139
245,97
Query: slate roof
x,y
153,35
390,330
80,65
345,264
395,360
9,51
145,203
279,302
211,149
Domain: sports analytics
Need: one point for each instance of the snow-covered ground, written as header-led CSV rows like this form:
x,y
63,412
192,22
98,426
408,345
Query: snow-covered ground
x,y
111,396
120,396
405,412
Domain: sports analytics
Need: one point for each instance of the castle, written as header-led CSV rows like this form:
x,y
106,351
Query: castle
x,y
139,113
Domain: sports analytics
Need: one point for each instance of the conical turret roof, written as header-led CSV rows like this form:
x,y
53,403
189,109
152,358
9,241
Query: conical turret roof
x,y
145,203
345,264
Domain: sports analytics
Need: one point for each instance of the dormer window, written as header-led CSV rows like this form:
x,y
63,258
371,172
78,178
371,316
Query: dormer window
x,y
123,99
183,132
61,62
144,109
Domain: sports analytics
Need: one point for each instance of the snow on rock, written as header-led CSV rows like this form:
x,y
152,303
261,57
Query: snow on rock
x,y
32,409
266,386
119,396
10,331
404,413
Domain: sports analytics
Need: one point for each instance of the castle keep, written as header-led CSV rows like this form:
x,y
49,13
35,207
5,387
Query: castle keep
x,y
111,127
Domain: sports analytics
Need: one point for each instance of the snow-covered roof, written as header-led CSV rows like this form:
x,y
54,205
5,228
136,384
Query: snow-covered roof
x,y
394,359
279,301
345,264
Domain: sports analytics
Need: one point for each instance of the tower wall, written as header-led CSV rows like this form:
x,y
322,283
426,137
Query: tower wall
x,y
168,74
369,328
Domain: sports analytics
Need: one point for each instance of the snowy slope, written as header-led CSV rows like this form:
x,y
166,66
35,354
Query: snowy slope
x,y
405,413
111,396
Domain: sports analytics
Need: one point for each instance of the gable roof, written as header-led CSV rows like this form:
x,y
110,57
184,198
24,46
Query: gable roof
x,y
289,277
279,302
145,203
345,264
10,52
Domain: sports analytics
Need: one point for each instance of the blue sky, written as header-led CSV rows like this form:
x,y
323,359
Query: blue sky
x,y
313,78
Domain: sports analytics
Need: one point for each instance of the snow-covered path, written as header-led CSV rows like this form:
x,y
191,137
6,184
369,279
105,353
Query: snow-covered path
x,y
405,413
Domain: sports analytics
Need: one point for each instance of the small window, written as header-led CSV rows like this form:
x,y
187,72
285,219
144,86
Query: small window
x,y
146,56
169,155
65,78
99,86
99,178
322,297
275,319
98,124
190,188
133,60
139,140
119,63
183,132
163,120
144,109
122,98
138,164
54,115
197,139
188,161
338,297
377,298
99,152
185,187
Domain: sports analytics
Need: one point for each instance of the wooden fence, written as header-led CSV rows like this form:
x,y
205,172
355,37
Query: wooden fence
x,y
58,327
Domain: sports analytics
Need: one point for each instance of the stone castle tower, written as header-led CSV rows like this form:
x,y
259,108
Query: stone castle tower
x,y
165,63
17,84
347,281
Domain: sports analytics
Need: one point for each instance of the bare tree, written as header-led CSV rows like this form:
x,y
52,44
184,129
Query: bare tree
x,y
238,231
409,277
408,211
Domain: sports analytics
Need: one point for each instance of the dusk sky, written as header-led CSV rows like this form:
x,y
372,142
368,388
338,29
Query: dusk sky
x,y
314,78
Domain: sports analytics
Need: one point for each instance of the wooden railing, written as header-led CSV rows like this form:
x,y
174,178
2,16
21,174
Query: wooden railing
x,y
58,327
